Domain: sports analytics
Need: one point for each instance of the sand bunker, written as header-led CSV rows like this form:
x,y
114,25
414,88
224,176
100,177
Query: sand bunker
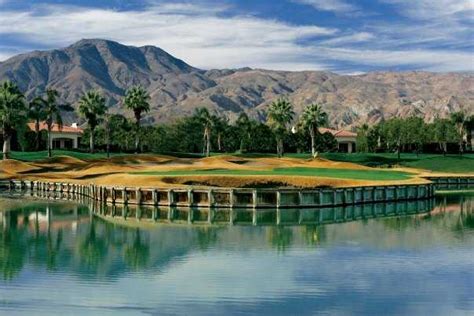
x,y
14,167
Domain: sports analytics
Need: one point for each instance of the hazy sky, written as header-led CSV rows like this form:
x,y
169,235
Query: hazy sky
x,y
337,35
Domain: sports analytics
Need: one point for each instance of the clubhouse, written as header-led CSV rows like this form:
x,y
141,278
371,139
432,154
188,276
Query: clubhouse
x,y
346,140
66,137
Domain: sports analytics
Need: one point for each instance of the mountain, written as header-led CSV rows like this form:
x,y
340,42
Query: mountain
x,y
177,88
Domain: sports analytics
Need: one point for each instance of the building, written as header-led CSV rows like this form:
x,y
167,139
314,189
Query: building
x,y
67,137
346,140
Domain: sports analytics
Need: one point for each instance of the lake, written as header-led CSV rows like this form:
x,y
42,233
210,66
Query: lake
x,y
58,257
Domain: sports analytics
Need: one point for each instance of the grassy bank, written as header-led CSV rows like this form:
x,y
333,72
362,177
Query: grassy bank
x,y
437,163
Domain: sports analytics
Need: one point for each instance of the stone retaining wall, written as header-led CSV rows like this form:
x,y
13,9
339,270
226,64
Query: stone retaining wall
x,y
231,197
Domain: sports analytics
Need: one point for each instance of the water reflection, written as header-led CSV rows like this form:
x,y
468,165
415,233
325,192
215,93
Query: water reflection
x,y
52,241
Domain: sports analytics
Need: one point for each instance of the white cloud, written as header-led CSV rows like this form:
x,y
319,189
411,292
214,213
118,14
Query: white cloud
x,y
204,38
429,9
350,39
418,59
337,6
200,37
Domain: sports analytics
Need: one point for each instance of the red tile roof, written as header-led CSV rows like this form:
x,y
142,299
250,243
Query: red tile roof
x,y
55,128
337,133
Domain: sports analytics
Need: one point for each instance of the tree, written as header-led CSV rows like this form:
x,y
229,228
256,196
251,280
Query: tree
x,y
394,134
362,140
92,108
469,126
415,131
37,113
312,118
444,132
459,120
207,122
245,127
280,114
136,99
12,112
220,125
52,113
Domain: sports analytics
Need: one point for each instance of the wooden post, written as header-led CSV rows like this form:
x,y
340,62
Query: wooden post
x,y
254,198
124,196
210,197
190,197
138,196
231,198
170,197
278,199
155,197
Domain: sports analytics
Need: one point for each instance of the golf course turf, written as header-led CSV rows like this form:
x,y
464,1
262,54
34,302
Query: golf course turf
x,y
374,175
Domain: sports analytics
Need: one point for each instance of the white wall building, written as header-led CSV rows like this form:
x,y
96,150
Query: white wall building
x,y
67,137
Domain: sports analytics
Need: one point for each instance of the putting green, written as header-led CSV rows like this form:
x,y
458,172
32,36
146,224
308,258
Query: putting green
x,y
374,175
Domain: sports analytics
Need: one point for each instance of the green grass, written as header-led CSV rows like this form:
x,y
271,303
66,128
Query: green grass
x,y
41,155
296,171
438,163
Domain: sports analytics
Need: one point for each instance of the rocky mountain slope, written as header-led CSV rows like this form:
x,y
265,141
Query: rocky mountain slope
x,y
177,88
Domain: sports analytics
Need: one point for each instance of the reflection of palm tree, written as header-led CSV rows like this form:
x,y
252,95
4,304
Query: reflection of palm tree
x,y
137,254
206,236
313,234
280,237
12,251
92,249
53,249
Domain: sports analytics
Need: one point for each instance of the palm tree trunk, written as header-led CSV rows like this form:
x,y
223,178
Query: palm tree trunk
x,y
313,142
208,143
37,131
6,145
137,136
91,141
280,147
219,140
49,142
108,142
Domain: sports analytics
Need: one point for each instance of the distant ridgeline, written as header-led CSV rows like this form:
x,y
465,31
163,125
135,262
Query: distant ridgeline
x,y
177,88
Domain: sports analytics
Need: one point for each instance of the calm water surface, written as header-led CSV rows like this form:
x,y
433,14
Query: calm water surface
x,y
57,258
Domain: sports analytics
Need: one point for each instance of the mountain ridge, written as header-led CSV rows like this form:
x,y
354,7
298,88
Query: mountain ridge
x,y
177,88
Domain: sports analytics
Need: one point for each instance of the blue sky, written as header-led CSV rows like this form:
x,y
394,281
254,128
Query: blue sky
x,y
337,35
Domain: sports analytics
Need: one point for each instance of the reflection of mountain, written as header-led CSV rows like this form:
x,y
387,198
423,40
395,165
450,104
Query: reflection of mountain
x,y
96,248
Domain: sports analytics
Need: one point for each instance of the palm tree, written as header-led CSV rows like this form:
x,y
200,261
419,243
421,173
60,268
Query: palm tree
x,y
207,122
92,108
312,118
36,112
12,112
245,126
136,99
52,113
220,124
280,114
